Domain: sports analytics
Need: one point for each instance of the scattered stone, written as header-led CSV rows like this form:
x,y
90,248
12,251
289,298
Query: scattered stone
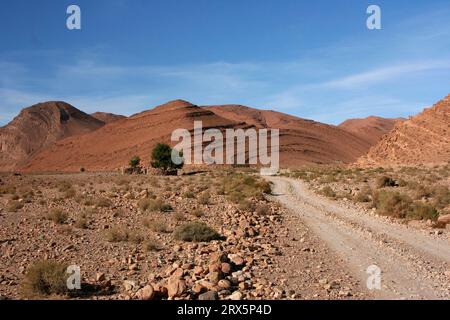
x,y
175,287
99,277
210,295
146,293
235,296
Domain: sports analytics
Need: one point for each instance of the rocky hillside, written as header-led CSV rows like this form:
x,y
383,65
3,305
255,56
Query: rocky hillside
x,y
423,139
39,126
301,141
370,129
112,146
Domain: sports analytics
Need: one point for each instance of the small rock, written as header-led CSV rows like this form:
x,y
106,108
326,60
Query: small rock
x,y
235,296
175,287
129,285
226,268
146,293
99,277
210,295
224,284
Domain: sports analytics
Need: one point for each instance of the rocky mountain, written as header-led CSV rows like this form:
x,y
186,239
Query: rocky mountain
x,y
422,139
301,141
370,129
112,146
40,126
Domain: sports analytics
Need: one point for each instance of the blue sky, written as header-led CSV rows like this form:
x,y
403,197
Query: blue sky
x,y
313,59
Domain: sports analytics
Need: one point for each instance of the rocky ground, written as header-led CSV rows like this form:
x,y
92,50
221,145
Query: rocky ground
x,y
121,232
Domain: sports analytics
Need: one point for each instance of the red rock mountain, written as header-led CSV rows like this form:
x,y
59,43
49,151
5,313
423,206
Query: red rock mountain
x,y
301,141
423,139
370,129
111,147
39,126
107,117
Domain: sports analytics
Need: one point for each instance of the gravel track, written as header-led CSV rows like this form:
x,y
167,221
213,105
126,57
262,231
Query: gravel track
x,y
414,264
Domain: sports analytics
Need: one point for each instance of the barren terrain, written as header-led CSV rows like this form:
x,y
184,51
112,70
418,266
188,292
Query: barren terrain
x,y
121,231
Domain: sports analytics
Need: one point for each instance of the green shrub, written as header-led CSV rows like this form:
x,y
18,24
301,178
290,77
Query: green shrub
x,y
46,278
135,161
162,158
196,231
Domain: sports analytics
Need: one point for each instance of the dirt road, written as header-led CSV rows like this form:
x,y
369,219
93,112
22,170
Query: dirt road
x,y
413,263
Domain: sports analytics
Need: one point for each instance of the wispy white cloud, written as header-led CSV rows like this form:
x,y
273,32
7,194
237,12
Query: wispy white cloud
x,y
385,73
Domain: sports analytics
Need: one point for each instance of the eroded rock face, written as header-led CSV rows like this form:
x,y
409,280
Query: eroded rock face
x,y
423,139
39,126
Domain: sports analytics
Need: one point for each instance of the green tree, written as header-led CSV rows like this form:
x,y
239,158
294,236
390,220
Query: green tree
x,y
135,161
162,158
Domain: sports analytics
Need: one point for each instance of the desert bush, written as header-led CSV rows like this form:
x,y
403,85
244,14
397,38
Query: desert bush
x,y
154,205
420,211
189,195
421,191
441,197
204,198
196,231
116,234
246,205
58,216
70,193
364,195
262,210
46,278
242,186
385,181
179,216
135,161
152,245
392,203
328,192
158,226
102,202
197,213
134,237
82,221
